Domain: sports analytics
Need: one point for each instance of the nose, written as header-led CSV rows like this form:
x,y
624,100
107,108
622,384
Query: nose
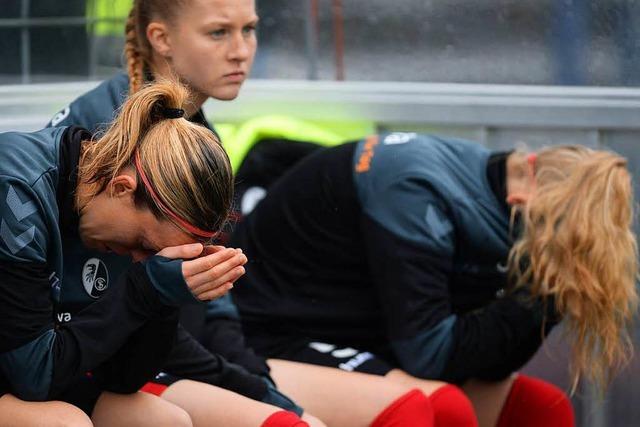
x,y
240,47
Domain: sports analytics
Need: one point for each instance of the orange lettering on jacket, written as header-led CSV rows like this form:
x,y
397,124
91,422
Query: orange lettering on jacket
x,y
364,162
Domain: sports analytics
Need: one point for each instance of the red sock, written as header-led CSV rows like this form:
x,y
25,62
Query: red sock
x,y
154,388
533,402
452,408
409,410
284,419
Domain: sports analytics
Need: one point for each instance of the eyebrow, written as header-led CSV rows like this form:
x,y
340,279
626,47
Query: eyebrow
x,y
219,21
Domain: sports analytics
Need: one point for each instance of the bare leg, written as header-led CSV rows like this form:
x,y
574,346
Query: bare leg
x,y
137,410
401,377
18,413
337,397
204,403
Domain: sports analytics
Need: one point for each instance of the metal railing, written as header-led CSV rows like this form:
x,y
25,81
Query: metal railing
x,y
25,23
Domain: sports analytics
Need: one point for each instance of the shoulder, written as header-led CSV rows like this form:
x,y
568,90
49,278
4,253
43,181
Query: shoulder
x,y
95,109
25,215
410,183
28,181
27,155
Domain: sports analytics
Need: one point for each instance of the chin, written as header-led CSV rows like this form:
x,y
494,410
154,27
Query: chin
x,y
225,96
226,93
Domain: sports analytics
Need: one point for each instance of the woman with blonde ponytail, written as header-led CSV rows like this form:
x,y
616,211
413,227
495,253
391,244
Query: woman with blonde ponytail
x,y
154,187
209,46
436,259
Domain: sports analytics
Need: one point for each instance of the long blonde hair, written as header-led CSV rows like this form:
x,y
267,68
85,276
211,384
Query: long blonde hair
x,y
578,246
185,164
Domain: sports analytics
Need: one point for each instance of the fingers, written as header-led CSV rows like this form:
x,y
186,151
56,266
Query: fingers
x,y
207,283
207,262
218,272
184,251
215,293
212,274
212,249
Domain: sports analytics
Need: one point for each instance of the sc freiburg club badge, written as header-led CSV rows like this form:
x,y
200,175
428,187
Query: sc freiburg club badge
x,y
95,277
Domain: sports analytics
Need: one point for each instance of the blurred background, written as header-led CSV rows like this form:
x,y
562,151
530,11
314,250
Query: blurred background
x,y
500,72
541,42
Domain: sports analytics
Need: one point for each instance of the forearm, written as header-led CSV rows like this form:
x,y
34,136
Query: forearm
x,y
223,335
189,360
497,340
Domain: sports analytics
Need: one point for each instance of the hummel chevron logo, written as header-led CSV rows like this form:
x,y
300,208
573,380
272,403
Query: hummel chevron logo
x,y
20,210
15,243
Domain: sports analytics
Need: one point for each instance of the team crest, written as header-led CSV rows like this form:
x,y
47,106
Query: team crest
x,y
95,277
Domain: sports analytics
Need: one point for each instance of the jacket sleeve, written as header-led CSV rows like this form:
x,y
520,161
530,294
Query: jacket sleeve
x,y
410,256
223,335
190,360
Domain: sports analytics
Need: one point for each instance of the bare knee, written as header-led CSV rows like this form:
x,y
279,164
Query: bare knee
x,y
171,416
139,410
72,418
427,386
16,412
179,418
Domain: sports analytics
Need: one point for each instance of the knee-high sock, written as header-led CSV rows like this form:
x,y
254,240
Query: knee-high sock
x,y
284,419
533,402
452,408
409,410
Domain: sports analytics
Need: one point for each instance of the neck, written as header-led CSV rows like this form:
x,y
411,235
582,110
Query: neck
x,y
161,68
518,179
82,190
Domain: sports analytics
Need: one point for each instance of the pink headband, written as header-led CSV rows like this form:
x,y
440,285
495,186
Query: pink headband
x,y
531,159
181,222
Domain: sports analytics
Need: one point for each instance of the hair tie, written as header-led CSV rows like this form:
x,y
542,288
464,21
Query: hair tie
x,y
172,113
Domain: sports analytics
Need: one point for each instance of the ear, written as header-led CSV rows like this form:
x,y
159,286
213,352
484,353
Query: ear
x,y
122,186
517,199
158,36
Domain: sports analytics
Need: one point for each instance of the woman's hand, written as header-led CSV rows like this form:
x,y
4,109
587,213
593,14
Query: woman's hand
x,y
210,271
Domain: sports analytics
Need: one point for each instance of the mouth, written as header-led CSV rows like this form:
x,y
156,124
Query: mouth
x,y
235,76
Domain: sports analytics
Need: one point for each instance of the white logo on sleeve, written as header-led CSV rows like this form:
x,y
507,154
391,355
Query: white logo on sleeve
x,y
95,277
58,118
399,138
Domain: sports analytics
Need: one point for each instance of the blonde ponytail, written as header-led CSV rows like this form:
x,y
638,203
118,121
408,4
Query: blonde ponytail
x,y
578,246
183,161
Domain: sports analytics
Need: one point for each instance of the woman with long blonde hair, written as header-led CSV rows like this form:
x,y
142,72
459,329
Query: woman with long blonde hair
x,y
419,258
577,247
